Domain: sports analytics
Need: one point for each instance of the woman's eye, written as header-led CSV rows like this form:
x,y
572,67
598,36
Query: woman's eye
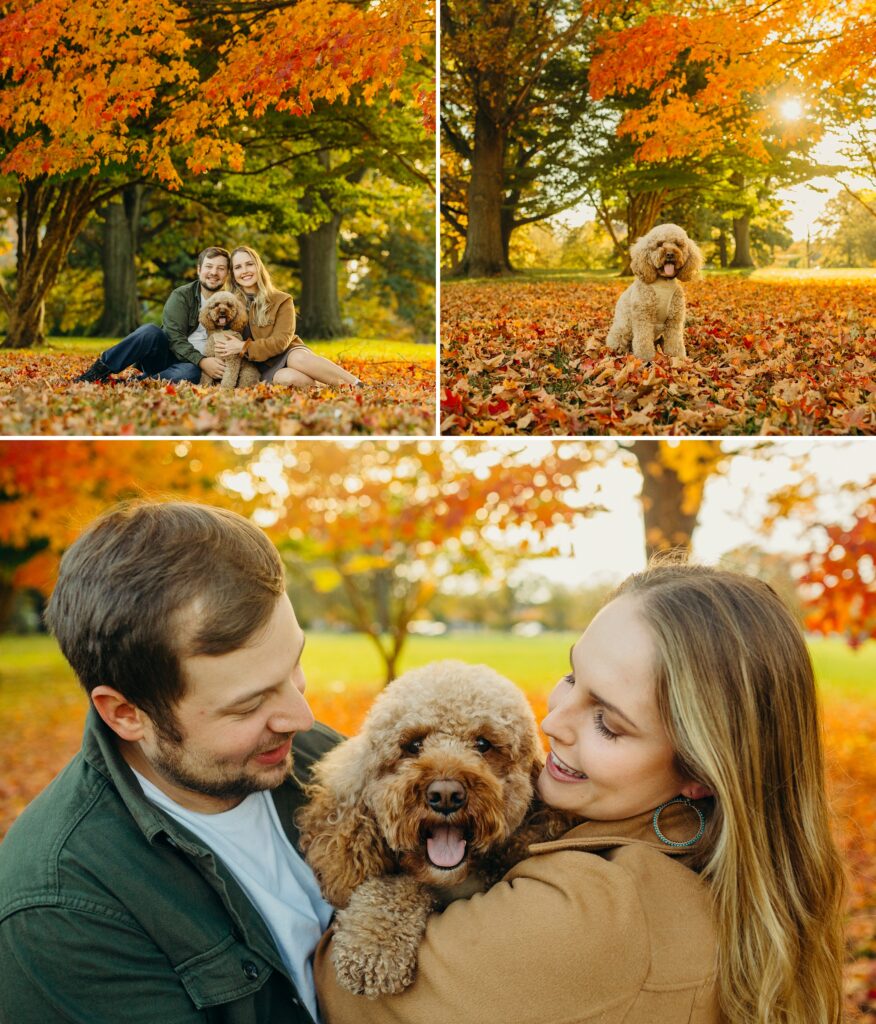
x,y
601,727
569,679
483,744
413,747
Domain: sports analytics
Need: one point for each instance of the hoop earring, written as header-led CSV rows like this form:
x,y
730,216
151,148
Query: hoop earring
x,y
693,807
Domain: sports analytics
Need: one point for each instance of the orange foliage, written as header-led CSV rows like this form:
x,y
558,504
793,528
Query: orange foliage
x,y
716,77
50,489
841,579
764,358
87,85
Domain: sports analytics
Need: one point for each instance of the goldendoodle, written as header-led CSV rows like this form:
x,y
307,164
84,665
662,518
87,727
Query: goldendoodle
x,y
224,312
653,305
431,801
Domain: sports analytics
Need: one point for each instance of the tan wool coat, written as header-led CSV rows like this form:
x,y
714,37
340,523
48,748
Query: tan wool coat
x,y
603,926
278,333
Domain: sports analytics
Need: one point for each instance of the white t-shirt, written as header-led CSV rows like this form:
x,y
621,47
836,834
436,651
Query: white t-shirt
x,y
198,337
251,843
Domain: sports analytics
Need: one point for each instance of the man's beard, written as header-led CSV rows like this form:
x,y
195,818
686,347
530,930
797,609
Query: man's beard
x,y
210,780
211,288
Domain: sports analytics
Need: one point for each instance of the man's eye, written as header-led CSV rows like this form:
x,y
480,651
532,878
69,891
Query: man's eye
x,y
248,709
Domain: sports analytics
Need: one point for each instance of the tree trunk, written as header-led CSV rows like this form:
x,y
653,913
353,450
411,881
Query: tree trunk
x,y
742,237
319,315
7,602
49,217
120,234
484,249
642,213
669,512
722,249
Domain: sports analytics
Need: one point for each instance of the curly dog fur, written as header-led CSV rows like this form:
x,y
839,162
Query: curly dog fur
x,y
224,312
432,800
654,305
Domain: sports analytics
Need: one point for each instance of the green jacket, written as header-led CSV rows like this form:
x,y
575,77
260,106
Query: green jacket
x,y
111,911
180,318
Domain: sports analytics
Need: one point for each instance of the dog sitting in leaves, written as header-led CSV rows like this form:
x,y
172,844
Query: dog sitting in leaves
x,y
224,312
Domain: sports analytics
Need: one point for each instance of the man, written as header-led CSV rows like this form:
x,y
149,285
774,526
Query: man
x,y
156,878
174,351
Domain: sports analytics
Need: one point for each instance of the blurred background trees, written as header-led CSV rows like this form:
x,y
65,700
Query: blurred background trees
x,y
390,538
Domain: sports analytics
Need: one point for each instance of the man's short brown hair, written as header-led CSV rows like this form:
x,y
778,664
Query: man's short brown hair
x,y
148,584
212,252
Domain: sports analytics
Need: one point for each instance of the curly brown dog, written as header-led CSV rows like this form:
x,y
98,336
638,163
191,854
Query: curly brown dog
x,y
653,305
431,801
223,312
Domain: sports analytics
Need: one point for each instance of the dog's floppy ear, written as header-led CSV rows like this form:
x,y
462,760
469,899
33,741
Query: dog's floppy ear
x,y
640,265
339,833
692,263
204,316
240,316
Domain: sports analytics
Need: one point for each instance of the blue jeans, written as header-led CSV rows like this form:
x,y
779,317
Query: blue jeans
x,y
147,348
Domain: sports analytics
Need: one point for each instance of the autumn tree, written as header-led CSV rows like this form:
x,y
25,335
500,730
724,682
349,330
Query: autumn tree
x,y
49,490
719,75
96,96
839,583
673,482
385,523
849,230
512,99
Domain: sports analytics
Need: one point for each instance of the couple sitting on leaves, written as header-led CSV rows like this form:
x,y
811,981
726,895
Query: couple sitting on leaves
x,y
175,351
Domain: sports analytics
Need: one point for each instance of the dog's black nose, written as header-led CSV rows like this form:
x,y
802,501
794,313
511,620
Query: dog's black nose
x,y
446,796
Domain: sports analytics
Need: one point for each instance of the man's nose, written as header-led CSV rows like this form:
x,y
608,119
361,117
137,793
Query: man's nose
x,y
293,713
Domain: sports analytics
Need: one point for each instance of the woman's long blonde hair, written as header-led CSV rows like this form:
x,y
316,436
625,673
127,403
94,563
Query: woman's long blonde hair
x,y
737,695
266,292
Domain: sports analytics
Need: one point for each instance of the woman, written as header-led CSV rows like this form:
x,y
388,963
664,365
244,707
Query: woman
x,y
269,339
704,886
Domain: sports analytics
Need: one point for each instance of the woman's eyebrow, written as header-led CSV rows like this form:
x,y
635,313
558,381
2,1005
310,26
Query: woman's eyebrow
x,y
615,710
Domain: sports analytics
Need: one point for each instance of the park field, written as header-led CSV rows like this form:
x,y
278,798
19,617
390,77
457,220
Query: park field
x,y
38,396
42,711
773,351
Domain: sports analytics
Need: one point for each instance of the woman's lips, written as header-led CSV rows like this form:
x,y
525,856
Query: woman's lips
x,y
276,754
562,772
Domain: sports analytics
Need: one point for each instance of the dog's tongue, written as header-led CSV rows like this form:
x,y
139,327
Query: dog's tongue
x,y
669,269
445,846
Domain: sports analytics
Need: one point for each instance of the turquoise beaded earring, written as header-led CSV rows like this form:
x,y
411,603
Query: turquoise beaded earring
x,y
693,807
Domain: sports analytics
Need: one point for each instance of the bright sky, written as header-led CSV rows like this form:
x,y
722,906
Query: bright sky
x,y
610,545
805,202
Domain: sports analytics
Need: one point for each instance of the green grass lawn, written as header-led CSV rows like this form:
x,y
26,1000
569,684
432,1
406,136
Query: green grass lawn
x,y
339,662
774,275
367,349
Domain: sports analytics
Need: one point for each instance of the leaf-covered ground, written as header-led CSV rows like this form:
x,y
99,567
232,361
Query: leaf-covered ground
x,y
765,356
38,397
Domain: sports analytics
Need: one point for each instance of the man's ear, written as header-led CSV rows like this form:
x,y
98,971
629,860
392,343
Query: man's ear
x,y
695,791
125,719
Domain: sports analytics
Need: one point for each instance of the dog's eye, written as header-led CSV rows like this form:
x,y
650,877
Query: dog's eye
x,y
413,747
483,745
